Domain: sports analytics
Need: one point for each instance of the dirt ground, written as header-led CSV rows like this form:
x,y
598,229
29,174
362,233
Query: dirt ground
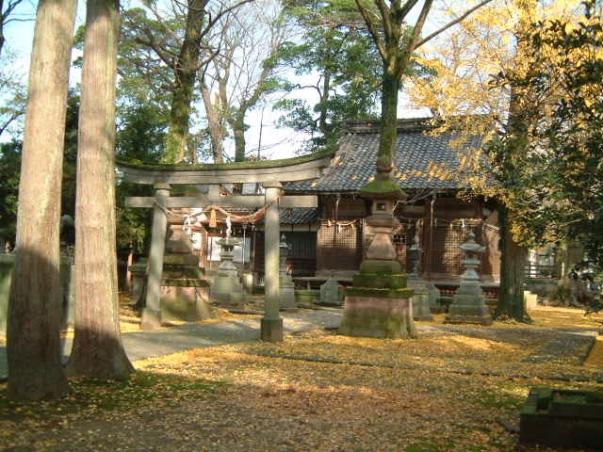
x,y
453,388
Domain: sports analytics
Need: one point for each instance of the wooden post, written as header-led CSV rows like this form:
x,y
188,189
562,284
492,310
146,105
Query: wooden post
x,y
151,315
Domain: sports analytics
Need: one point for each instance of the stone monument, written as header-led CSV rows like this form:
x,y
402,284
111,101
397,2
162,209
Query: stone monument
x,y
287,286
468,304
331,293
227,289
378,302
420,300
183,292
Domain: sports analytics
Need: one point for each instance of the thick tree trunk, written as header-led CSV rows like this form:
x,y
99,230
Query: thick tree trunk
x,y
389,122
185,71
512,276
34,346
97,348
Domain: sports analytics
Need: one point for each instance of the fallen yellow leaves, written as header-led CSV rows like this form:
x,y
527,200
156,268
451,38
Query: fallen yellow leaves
x,y
452,389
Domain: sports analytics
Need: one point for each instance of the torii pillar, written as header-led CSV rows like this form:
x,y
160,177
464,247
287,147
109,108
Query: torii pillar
x,y
151,314
272,323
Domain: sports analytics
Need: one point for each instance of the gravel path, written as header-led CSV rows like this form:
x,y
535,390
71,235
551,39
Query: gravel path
x,y
149,344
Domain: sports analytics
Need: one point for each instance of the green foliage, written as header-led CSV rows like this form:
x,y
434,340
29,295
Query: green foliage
x,y
335,47
10,166
70,155
555,185
141,136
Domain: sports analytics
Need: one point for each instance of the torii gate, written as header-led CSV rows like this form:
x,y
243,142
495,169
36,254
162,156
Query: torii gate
x,y
270,173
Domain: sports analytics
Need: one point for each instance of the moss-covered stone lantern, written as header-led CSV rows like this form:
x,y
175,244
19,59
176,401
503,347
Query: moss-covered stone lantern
x,y
378,302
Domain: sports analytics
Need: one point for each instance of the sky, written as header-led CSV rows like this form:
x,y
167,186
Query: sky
x,y
275,142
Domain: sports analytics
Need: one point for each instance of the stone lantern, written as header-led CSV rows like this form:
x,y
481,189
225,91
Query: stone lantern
x,y
226,289
468,304
378,302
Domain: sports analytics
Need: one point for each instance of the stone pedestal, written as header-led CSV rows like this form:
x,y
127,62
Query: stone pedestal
x,y
331,293
227,289
287,286
468,304
183,293
378,303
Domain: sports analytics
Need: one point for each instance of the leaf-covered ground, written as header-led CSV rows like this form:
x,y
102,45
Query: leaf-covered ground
x,y
454,388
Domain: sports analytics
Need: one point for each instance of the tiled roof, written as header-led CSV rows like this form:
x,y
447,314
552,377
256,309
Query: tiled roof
x,y
423,160
299,215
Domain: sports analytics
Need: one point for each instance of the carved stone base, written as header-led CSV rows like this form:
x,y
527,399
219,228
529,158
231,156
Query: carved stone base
x,y
469,306
375,313
227,290
185,300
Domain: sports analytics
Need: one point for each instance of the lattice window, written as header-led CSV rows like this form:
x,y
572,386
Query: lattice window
x,y
446,255
301,244
339,247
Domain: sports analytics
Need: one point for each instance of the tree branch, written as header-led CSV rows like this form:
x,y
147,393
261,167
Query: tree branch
x,y
372,30
385,17
451,24
212,21
405,57
410,4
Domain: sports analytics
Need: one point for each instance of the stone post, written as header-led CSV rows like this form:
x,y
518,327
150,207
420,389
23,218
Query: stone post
x,y
151,314
420,298
272,324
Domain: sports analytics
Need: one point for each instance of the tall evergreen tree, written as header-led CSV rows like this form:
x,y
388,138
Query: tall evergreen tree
x,y
33,347
97,348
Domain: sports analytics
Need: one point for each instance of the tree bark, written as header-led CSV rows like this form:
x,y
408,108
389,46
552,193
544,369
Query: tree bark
x,y
389,122
34,346
238,130
214,123
513,256
97,348
185,71
323,126
511,302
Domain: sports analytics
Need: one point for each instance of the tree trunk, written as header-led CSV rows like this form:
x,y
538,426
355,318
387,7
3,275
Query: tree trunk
x,y
324,103
389,122
512,276
214,124
34,346
185,71
97,348
238,130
